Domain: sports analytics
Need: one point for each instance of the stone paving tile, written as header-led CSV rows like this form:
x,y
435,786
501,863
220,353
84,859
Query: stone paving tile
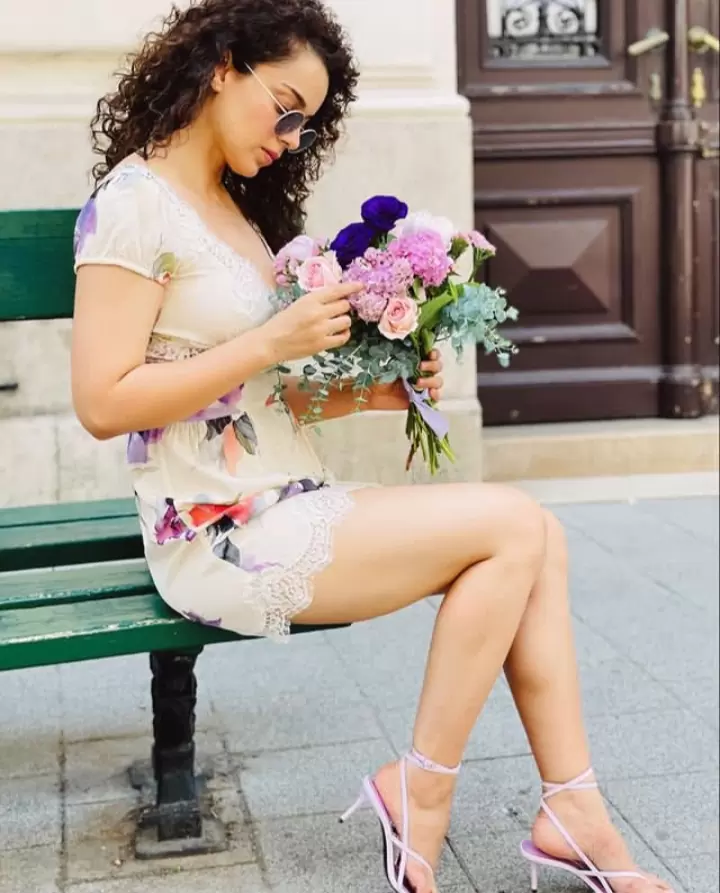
x,y
111,698
100,846
699,517
677,814
30,722
496,865
29,812
315,854
618,687
249,673
674,558
699,874
701,696
306,782
659,743
239,879
651,627
98,770
295,720
495,797
33,870
387,656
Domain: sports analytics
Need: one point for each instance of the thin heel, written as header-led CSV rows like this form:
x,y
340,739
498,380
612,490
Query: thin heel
x,y
361,800
534,885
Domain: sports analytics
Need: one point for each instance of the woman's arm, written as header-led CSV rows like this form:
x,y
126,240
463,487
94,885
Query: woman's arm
x,y
115,391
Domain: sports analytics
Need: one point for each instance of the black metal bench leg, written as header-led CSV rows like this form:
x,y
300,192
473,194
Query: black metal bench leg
x,y
174,697
176,822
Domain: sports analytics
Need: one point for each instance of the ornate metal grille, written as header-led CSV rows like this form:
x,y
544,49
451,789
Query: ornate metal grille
x,y
540,30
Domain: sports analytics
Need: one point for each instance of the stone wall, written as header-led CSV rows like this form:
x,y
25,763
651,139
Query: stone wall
x,y
409,134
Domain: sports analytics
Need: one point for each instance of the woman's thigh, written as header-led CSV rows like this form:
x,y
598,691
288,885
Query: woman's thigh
x,y
398,545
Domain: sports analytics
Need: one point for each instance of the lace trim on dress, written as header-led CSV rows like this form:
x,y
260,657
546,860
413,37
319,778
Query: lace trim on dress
x,y
248,283
163,348
288,592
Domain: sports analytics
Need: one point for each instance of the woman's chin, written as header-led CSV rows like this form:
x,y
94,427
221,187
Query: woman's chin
x,y
246,167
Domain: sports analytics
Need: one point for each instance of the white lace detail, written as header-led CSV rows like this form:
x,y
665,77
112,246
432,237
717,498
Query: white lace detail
x,y
162,349
288,592
249,287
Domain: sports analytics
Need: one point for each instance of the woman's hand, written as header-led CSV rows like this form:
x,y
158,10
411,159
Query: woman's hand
x,y
316,322
394,396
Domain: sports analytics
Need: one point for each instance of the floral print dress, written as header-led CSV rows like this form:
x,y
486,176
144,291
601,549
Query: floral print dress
x,y
237,510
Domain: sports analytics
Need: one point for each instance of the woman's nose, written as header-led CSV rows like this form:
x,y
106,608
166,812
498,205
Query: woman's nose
x,y
292,140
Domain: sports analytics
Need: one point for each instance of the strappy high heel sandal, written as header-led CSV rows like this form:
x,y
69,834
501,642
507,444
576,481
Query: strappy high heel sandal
x,y
397,850
584,869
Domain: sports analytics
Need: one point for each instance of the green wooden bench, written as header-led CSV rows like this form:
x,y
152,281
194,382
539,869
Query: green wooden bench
x,y
74,585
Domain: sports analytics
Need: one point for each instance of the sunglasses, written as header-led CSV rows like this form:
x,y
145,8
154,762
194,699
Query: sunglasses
x,y
288,122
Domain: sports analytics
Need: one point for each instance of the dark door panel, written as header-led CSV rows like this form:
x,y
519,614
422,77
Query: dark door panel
x,y
578,253
584,190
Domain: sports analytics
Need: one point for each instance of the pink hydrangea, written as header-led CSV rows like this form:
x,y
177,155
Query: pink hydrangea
x,y
426,254
383,276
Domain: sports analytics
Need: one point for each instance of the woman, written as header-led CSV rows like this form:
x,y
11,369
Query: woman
x,y
210,145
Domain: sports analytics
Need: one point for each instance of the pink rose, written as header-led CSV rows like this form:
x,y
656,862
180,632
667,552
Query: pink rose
x,y
301,248
400,318
289,258
319,272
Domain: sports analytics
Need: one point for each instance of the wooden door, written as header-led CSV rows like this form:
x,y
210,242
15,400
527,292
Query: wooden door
x,y
573,177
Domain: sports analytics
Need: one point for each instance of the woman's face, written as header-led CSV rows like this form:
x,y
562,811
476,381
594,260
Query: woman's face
x,y
245,109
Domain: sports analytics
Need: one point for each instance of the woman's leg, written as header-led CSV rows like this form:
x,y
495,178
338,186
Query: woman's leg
x,y
542,672
482,544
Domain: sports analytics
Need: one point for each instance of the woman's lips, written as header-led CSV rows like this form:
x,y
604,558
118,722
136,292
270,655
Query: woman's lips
x,y
271,155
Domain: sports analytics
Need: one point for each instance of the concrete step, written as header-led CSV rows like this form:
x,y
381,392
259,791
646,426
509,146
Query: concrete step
x,y
599,449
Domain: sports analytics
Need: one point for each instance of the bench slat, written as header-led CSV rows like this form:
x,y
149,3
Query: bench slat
x,y
78,583
42,636
70,542
62,512
36,264
32,637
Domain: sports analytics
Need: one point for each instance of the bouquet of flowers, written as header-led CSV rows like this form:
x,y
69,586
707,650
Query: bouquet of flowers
x,y
414,297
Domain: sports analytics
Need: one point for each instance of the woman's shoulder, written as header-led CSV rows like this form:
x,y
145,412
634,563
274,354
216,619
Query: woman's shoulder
x,y
125,217
128,186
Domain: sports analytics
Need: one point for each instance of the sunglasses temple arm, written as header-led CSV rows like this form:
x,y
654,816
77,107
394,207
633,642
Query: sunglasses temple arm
x,y
267,90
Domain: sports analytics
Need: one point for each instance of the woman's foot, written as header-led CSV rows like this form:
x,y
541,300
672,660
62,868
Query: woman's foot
x,y
584,816
430,798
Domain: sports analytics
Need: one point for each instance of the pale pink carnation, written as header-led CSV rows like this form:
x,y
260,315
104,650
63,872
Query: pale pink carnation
x,y
478,240
383,276
426,254
400,318
319,272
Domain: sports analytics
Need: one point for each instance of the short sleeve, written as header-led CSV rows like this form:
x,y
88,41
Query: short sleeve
x,y
122,225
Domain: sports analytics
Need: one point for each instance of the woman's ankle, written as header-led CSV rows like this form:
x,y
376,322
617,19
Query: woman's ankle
x,y
426,790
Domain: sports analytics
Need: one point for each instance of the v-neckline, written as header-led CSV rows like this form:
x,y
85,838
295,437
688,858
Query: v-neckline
x,y
210,233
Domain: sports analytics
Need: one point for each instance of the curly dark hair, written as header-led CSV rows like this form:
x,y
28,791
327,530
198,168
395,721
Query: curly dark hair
x,y
166,83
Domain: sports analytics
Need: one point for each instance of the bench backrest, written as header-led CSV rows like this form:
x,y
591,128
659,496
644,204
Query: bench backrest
x,y
36,264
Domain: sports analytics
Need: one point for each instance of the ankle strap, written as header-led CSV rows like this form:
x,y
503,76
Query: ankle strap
x,y
576,784
422,762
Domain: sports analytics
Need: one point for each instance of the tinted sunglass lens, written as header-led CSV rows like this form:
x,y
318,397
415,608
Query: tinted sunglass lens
x,y
289,123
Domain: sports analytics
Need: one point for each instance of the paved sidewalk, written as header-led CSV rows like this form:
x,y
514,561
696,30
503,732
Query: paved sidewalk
x,y
288,732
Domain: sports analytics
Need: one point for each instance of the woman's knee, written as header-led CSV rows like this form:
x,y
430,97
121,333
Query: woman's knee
x,y
525,527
